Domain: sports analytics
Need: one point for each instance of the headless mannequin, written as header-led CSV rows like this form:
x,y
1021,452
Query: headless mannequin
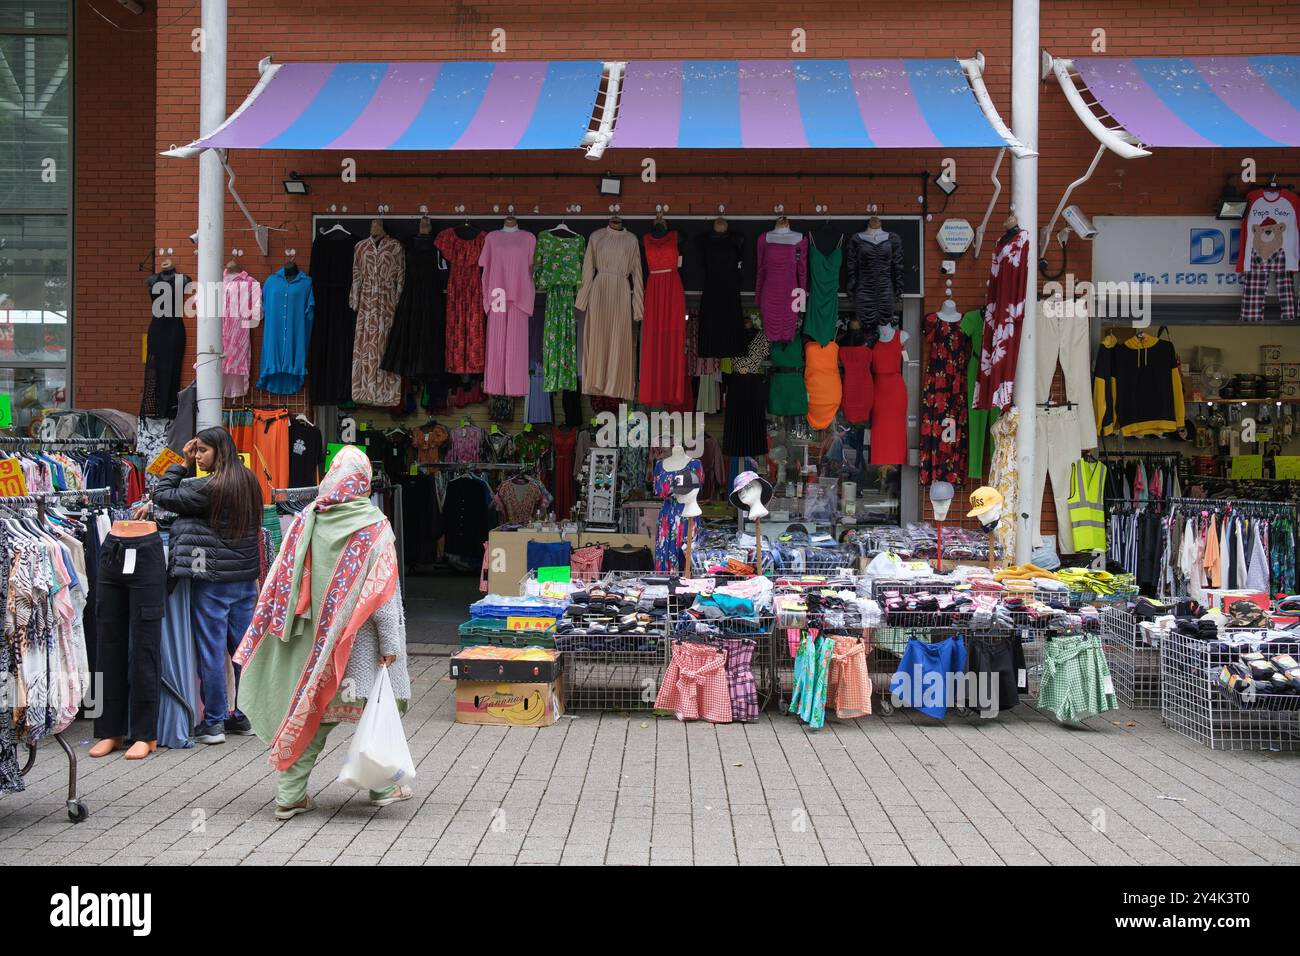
x,y
691,503
720,225
784,234
426,227
677,459
616,223
510,225
948,312
660,228
290,269
873,233
855,334
887,330
141,748
376,234
827,240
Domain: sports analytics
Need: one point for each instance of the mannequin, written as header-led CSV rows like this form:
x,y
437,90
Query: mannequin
x,y
377,231
678,479
886,331
782,233
677,459
875,274
660,227
751,492
721,225
511,224
690,509
751,496
165,342
426,227
290,267
949,312
616,222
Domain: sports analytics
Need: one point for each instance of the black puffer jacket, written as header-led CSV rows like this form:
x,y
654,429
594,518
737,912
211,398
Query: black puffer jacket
x,y
191,535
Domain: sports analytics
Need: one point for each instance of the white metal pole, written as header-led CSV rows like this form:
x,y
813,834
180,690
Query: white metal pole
x,y
212,211
1025,65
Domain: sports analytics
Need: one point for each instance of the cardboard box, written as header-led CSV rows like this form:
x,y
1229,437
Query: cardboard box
x,y
1271,370
1269,354
509,704
510,664
1291,390
1291,371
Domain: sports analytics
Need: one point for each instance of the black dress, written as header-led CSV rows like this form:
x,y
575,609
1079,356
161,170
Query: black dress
x,y
417,345
165,344
722,322
334,327
744,424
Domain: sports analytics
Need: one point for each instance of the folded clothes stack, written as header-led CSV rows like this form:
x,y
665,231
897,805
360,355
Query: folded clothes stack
x,y
612,619
1263,680
1092,581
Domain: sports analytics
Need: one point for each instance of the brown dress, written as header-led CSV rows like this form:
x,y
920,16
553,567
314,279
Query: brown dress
x,y
611,304
378,270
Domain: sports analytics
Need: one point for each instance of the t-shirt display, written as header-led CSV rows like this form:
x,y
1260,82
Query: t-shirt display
x,y
306,454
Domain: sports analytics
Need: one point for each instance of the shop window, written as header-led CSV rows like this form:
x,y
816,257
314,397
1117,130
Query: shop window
x,y
34,15
33,391
35,168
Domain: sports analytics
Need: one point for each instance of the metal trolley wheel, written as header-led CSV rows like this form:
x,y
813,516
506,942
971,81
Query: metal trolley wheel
x,y
886,705
78,811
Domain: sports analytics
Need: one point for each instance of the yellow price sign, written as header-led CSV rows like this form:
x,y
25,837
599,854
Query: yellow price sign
x,y
13,483
243,456
1286,466
1247,466
166,458
515,623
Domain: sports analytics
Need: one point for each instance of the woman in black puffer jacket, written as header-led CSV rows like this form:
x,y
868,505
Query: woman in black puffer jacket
x,y
214,542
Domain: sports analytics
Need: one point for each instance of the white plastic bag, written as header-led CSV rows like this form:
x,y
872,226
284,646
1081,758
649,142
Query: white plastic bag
x,y
379,758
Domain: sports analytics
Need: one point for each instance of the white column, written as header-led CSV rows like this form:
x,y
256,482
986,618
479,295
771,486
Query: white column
x,y
212,211
1024,200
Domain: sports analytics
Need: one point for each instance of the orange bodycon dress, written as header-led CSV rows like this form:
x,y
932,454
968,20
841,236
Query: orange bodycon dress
x,y
821,375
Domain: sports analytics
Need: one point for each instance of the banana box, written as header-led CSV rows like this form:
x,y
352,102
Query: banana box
x,y
509,704
533,665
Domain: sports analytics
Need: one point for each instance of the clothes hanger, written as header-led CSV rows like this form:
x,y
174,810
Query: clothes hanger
x,y
337,227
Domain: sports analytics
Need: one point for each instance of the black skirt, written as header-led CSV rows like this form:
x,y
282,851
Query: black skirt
x,y
417,344
744,428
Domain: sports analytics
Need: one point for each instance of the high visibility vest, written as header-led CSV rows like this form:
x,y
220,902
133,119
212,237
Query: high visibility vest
x,y
1087,505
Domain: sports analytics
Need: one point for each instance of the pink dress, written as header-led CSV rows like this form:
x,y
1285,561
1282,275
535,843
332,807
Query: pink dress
x,y
782,268
508,294
241,309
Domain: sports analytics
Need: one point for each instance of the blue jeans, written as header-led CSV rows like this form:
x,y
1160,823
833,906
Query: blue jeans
x,y
221,613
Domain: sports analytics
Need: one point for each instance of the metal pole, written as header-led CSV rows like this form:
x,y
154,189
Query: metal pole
x,y
212,211
1025,64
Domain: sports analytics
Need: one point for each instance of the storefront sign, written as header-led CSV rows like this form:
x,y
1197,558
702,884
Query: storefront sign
x,y
1177,255
166,458
955,236
13,484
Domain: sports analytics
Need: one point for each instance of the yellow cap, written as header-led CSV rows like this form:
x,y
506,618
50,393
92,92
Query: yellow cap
x,y
983,500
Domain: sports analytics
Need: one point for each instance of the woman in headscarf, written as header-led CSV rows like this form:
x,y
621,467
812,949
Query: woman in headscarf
x,y
328,617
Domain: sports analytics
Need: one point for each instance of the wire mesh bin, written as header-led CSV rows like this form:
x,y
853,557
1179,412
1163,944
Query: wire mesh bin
x,y
1196,702
757,631
1133,654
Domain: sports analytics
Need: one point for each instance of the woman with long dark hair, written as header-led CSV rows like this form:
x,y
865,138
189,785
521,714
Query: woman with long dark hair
x,y
214,543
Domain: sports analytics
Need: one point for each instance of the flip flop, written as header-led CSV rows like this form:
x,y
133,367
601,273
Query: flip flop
x,y
288,813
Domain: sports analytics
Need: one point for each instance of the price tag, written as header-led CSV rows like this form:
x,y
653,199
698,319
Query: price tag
x,y
1110,685
1247,466
165,459
13,483
529,623
128,563
1022,679
1286,466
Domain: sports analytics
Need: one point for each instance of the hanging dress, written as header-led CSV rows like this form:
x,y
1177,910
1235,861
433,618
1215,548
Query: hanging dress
x,y
859,386
823,294
663,329
466,321
611,297
782,268
787,394
722,320
672,530
378,269
557,272
564,442
943,402
889,414
417,347
822,378
744,425
334,327
508,299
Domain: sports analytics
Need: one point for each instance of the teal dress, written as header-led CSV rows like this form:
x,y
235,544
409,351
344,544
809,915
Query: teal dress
x,y
823,295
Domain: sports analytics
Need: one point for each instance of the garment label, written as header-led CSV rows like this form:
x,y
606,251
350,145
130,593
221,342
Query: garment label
x,y
1022,679
1110,685
128,564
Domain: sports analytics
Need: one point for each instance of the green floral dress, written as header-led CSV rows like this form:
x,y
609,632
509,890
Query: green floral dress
x,y
557,273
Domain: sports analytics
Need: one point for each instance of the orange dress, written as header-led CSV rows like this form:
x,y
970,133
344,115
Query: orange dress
x,y
821,374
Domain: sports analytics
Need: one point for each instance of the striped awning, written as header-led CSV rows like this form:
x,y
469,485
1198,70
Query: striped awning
x,y
799,104
721,104
434,106
1214,101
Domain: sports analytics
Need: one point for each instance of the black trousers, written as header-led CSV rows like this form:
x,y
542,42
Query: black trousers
x,y
129,602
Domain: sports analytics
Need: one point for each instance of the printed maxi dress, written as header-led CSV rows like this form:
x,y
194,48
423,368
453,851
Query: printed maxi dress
x,y
944,402
670,536
378,272
466,320
558,271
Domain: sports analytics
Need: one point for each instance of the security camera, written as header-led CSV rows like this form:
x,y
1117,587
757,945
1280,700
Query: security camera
x,y
1080,223
194,237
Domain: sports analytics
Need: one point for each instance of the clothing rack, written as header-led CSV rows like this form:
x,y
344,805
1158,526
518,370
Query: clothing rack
x,y
480,465
77,809
66,442
378,485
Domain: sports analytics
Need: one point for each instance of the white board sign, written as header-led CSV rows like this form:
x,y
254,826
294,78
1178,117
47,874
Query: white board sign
x,y
1177,255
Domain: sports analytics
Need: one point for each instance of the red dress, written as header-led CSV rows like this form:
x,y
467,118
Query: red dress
x,y
563,441
663,329
944,411
859,389
889,416
466,320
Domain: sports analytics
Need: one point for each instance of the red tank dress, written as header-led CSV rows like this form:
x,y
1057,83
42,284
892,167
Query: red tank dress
x,y
889,416
663,329
859,388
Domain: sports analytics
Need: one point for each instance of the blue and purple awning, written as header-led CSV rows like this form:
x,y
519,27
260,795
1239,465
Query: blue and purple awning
x,y
721,104
1209,101
799,104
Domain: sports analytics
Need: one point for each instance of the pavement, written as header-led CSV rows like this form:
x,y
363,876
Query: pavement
x,y
630,789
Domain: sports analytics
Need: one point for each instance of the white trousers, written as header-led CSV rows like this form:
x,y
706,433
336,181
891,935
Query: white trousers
x,y
1056,449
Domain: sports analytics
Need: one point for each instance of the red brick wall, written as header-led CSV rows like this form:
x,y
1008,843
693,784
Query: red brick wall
x,y
1172,181
114,203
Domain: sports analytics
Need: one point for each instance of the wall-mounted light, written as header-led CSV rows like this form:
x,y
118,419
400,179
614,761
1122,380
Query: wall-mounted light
x,y
946,185
295,186
611,185
1230,207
